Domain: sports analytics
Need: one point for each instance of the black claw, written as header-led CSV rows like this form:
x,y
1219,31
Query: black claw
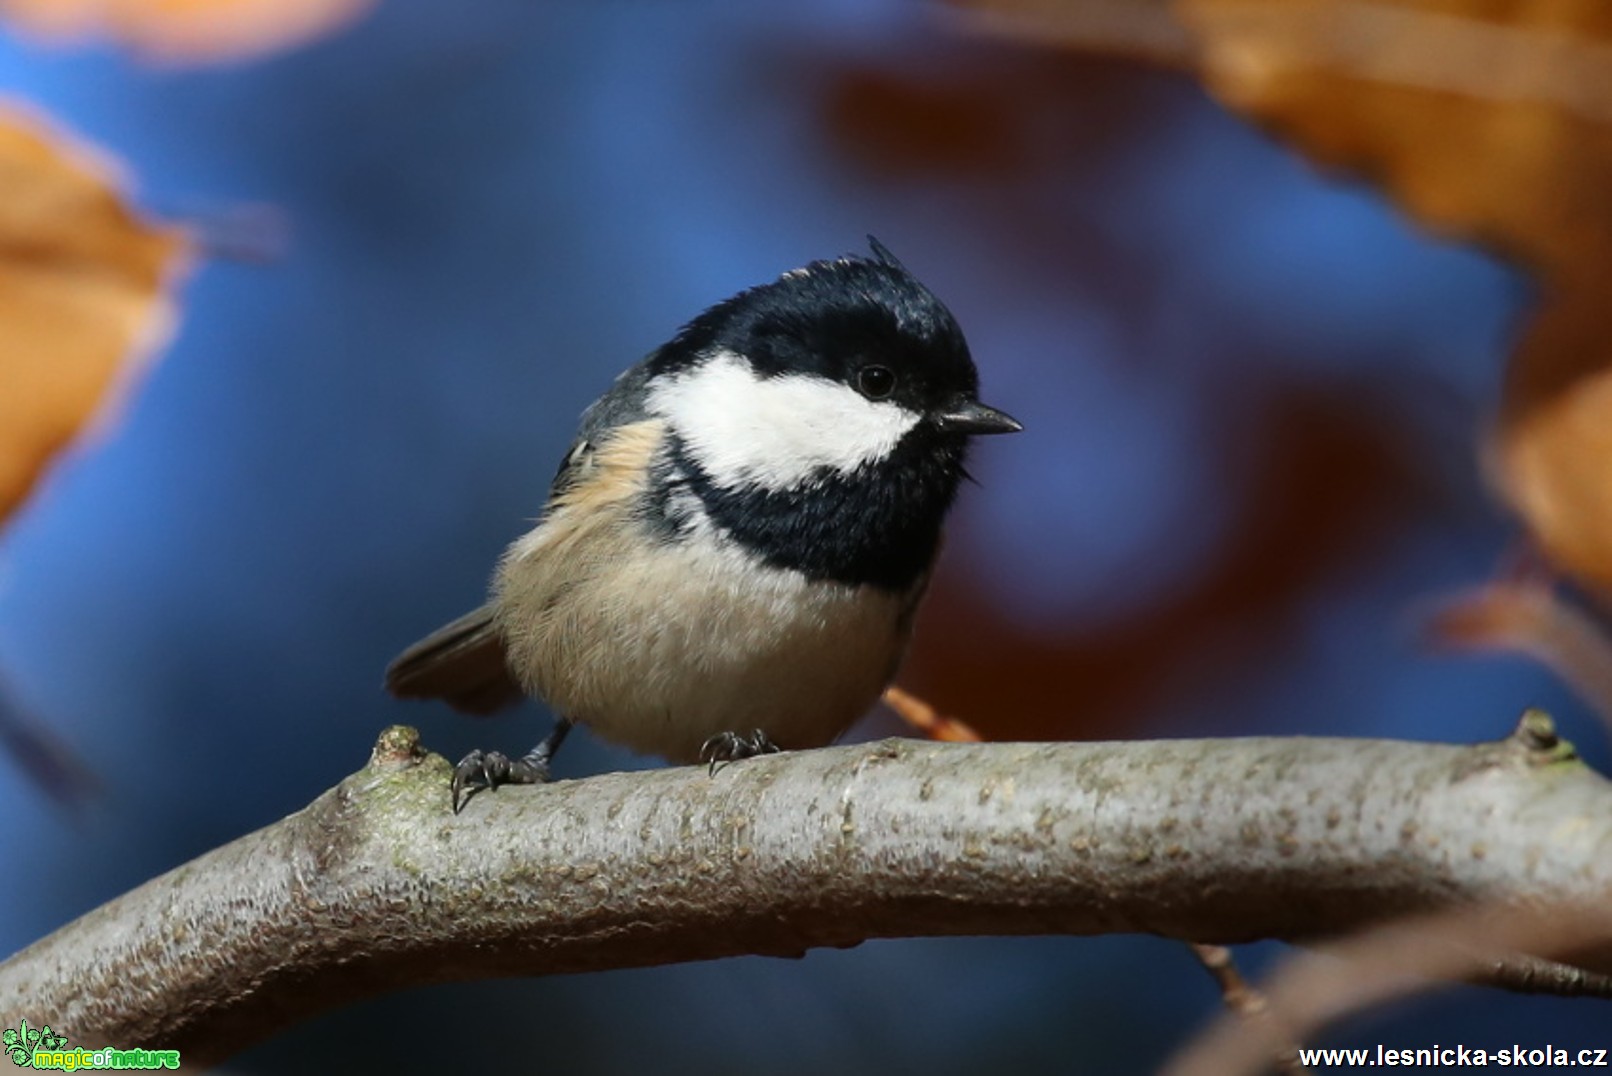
x,y
727,747
715,749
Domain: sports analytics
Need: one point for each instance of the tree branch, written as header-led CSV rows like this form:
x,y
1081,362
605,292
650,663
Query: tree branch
x,y
376,885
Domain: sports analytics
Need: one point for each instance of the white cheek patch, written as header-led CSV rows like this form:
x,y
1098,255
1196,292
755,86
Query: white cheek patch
x,y
774,432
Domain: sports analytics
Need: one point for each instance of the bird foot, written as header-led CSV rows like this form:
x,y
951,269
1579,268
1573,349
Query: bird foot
x,y
489,769
726,747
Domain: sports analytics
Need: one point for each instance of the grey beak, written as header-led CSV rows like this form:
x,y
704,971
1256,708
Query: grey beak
x,y
973,417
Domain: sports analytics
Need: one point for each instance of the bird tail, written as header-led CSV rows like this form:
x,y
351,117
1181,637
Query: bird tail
x,y
461,663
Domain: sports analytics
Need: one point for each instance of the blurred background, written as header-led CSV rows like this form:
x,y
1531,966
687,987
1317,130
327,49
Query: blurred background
x,y
1253,394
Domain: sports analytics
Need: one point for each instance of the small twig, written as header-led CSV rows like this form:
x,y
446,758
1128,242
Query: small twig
x,y
1386,963
1244,1000
247,233
1529,615
1536,975
48,760
926,719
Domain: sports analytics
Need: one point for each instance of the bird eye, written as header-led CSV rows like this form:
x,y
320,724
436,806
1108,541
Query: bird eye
x,y
875,382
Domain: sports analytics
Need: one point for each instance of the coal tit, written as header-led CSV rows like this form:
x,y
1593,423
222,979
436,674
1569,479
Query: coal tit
x,y
737,541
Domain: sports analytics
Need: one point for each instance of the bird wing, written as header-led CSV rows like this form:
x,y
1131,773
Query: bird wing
x,y
623,404
461,663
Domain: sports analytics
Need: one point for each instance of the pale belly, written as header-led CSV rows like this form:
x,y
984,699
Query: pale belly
x,y
658,648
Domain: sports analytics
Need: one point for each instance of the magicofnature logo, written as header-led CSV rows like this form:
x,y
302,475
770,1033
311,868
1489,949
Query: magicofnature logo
x,y
20,1043
42,1048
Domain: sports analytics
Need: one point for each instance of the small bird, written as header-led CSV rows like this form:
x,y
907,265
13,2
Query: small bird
x,y
736,543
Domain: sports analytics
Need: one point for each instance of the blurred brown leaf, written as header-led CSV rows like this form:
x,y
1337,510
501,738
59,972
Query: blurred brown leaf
x,y
1486,119
83,294
185,31
1489,120
1147,28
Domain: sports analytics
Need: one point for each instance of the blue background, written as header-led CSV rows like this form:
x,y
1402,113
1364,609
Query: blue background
x,y
1252,395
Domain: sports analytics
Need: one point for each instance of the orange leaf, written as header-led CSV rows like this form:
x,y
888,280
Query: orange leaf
x,y
1487,119
186,31
82,294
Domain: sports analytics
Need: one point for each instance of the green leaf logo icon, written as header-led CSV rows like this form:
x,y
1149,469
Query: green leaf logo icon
x,y
16,1045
